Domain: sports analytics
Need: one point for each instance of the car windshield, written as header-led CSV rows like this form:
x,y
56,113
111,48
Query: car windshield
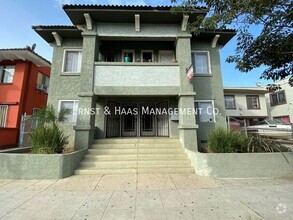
x,y
272,122
262,123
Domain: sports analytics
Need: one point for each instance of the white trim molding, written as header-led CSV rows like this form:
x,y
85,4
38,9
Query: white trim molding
x,y
215,40
137,22
209,60
89,21
64,57
184,22
141,54
58,38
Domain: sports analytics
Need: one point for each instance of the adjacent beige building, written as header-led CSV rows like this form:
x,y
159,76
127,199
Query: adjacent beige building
x,y
279,103
245,105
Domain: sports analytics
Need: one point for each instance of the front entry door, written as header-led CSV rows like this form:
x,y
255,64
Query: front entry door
x,y
162,120
129,120
147,120
113,121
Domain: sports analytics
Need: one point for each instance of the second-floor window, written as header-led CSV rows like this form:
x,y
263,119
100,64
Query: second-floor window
x,y
201,62
278,98
252,102
230,102
6,74
42,82
72,61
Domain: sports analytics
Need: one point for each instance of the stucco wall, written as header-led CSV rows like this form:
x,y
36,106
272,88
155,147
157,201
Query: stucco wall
x,y
64,86
209,87
39,166
284,109
242,165
127,30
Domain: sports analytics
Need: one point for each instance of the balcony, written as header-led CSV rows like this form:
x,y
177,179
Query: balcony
x,y
141,79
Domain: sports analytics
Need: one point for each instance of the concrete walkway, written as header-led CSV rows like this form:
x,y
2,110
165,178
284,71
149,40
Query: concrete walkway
x,y
146,196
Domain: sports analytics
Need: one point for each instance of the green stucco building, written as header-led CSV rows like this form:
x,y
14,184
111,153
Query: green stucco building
x,y
132,58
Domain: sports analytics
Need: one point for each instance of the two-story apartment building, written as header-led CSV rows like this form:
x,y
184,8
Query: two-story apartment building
x,y
131,58
280,103
24,80
245,104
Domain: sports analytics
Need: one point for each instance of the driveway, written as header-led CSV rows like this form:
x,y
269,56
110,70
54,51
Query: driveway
x,y
146,196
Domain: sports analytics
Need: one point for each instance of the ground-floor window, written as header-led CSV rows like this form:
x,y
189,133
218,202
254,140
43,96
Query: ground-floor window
x,y
3,115
72,105
205,111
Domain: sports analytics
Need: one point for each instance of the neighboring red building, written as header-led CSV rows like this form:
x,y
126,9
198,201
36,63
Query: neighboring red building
x,y
24,81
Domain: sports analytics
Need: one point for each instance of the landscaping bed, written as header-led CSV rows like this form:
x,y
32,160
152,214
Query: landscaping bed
x,y
242,165
39,166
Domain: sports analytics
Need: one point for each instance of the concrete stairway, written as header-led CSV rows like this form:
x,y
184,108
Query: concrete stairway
x,y
135,155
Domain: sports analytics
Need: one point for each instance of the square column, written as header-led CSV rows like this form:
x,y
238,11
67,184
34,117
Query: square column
x,y
85,124
187,122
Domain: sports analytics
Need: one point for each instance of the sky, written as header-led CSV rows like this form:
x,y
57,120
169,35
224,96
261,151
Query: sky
x,y
18,16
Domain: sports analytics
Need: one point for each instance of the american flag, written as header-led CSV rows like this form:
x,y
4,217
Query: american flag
x,y
190,72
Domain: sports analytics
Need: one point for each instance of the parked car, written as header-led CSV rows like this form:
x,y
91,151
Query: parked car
x,y
271,128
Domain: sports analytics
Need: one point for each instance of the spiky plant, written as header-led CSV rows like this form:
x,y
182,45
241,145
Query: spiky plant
x,y
47,137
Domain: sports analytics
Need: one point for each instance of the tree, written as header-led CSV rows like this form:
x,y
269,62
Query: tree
x,y
272,47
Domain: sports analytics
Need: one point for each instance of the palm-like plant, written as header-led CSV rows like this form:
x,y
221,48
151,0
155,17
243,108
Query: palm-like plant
x,y
47,137
48,115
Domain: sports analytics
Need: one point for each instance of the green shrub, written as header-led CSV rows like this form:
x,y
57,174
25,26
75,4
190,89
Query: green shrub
x,y
223,141
47,137
258,144
48,140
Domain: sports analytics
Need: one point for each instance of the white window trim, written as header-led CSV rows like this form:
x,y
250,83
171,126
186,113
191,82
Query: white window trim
x,y
64,56
34,109
160,51
213,107
209,61
128,51
4,122
2,71
234,102
152,51
68,100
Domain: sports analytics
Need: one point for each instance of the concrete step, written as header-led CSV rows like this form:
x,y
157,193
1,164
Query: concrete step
x,y
135,151
135,155
134,146
103,171
134,164
129,157
166,170
162,156
125,157
108,164
95,171
135,140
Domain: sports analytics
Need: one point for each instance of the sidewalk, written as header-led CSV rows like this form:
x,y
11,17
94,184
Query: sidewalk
x,y
146,196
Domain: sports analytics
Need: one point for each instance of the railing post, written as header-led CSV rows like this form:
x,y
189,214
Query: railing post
x,y
245,129
292,130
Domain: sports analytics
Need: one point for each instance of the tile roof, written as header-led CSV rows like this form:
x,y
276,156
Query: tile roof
x,y
25,49
142,7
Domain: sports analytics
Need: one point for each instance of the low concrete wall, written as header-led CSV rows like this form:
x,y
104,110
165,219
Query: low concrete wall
x,y
242,165
39,166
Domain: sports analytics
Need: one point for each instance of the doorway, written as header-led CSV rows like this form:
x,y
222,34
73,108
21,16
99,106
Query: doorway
x,y
137,120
